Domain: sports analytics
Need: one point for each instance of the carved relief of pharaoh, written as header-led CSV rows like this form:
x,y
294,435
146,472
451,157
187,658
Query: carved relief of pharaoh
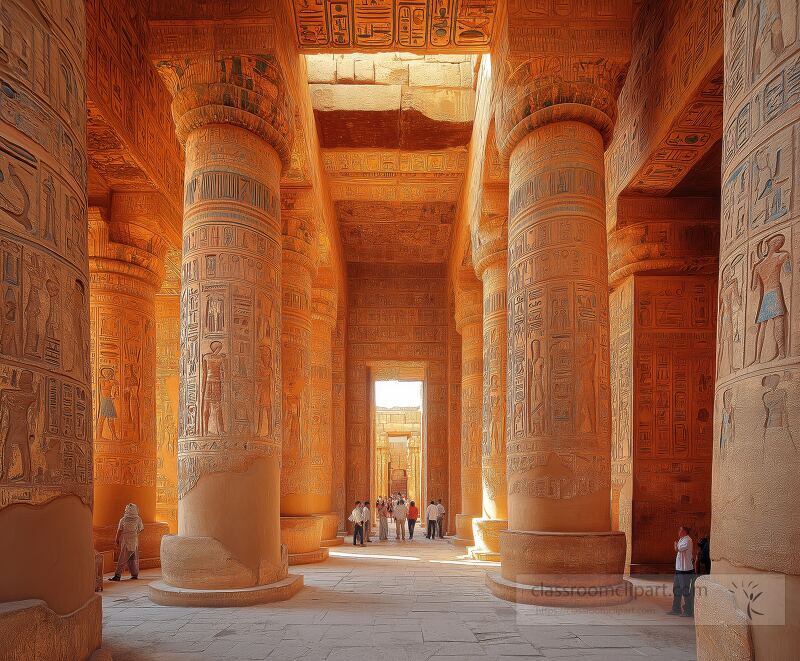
x,y
773,262
213,380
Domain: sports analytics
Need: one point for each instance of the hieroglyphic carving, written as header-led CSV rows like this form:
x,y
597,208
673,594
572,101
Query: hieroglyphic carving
x,y
670,107
491,265
558,304
132,142
230,303
469,323
397,316
339,413
124,281
454,415
755,461
323,316
45,400
386,25
672,430
168,325
300,474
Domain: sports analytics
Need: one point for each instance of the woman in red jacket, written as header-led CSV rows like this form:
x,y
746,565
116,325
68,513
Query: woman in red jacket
x,y
413,515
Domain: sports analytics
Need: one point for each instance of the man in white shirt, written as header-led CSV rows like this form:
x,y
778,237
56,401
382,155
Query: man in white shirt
x,y
440,519
400,514
366,518
356,518
432,516
683,584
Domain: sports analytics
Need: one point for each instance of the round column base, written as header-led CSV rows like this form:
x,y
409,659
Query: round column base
x,y
464,529
336,541
461,543
478,553
169,595
308,558
487,539
559,596
301,534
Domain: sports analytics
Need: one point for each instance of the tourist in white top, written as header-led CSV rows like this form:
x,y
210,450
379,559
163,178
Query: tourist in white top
x,y
683,584
432,516
400,514
357,519
440,518
367,520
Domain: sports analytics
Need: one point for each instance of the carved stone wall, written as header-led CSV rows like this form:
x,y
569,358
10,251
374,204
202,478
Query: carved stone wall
x,y
756,423
664,331
45,396
397,315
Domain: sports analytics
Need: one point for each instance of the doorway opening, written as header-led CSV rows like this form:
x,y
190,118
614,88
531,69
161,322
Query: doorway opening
x,y
398,439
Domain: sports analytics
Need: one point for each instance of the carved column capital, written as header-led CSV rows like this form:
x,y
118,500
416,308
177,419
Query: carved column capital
x,y
469,307
490,243
551,67
115,248
664,235
244,90
300,239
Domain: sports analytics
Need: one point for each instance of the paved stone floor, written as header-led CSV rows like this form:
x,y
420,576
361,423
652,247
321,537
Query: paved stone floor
x,y
389,602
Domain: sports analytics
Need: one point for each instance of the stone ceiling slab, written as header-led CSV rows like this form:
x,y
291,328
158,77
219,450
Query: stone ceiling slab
x,y
431,26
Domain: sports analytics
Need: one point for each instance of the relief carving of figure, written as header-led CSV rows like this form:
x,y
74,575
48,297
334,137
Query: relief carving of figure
x,y
53,323
769,189
109,392
132,392
33,312
495,417
8,335
80,346
16,406
536,388
772,309
50,209
727,426
14,198
265,387
214,374
730,302
776,408
292,398
215,315
769,42
585,364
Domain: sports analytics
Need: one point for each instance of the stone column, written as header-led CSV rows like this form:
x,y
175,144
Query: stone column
x,y
323,315
48,608
559,547
339,411
302,491
168,355
454,415
469,324
126,267
755,527
232,114
489,254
